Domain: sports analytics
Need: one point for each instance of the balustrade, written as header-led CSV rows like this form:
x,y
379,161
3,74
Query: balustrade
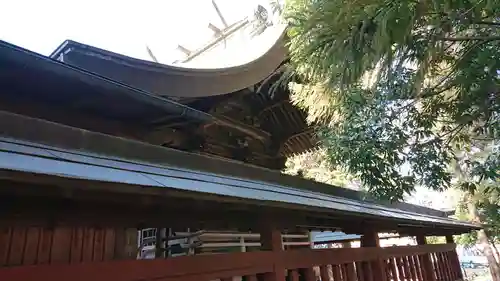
x,y
350,264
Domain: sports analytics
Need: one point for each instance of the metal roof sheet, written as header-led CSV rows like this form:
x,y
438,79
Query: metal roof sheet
x,y
23,156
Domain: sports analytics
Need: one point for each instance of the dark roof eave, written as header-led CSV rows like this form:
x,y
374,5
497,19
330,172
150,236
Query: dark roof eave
x,y
99,157
33,60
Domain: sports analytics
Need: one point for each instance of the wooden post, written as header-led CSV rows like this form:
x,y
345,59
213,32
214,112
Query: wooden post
x,y
425,262
374,270
159,244
455,263
271,240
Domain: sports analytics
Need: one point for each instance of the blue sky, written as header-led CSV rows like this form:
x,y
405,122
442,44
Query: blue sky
x,y
121,26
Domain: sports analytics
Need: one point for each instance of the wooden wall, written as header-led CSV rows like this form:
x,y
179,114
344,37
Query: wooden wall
x,y
63,245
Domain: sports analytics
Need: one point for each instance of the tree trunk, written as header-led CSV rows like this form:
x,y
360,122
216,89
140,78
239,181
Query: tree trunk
x,y
489,252
484,241
495,251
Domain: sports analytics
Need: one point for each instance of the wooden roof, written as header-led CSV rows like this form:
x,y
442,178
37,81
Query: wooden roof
x,y
252,124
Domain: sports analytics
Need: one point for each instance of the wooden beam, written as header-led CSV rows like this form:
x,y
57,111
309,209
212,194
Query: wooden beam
x,y
71,118
43,211
201,267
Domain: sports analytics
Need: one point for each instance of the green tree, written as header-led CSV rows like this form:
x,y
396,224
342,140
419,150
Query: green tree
x,y
435,240
406,93
315,165
482,206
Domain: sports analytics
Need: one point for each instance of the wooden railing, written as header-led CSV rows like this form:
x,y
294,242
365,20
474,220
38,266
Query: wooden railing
x,y
415,263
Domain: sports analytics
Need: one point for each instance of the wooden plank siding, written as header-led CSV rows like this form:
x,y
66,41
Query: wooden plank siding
x,y
63,245
334,264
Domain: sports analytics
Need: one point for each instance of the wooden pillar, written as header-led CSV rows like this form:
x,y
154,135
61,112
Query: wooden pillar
x,y
425,262
374,270
449,239
271,240
159,247
455,263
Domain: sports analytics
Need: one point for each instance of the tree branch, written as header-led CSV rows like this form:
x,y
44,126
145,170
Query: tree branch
x,y
476,38
487,23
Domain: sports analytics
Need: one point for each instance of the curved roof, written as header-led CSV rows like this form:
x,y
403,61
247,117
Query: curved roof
x,y
56,84
174,81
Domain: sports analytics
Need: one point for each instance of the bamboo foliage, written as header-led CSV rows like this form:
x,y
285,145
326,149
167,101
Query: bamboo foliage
x,y
398,87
